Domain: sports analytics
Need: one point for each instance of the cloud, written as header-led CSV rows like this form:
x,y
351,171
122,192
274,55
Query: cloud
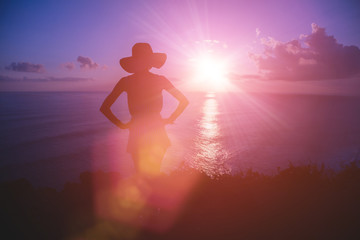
x,y
105,67
242,77
8,79
311,57
87,63
69,66
26,67
46,79
69,79
257,30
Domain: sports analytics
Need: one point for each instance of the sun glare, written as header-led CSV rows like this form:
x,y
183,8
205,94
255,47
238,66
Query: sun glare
x,y
211,69
210,72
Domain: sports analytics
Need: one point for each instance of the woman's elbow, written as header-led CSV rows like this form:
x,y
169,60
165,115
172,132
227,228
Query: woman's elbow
x,y
184,103
103,109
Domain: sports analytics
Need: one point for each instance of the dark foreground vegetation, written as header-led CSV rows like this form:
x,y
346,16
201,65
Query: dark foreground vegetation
x,y
298,203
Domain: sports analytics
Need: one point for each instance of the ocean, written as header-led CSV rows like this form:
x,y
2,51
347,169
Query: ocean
x,y
49,138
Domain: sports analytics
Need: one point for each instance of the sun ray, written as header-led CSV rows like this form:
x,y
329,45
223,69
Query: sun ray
x,y
209,72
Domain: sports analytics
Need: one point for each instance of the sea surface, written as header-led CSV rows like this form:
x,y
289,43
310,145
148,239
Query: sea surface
x,y
51,137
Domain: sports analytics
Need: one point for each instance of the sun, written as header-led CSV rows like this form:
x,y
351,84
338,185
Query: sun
x,y
210,71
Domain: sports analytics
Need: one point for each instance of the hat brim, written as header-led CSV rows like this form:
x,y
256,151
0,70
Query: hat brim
x,y
137,64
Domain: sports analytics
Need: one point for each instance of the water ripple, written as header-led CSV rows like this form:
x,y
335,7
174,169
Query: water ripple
x,y
210,155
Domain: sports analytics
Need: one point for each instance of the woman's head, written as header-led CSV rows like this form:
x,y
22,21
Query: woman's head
x,y
143,58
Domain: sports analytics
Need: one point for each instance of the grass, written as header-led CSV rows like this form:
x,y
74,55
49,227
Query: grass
x,y
300,202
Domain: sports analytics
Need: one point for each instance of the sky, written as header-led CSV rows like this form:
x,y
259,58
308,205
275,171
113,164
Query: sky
x,y
279,45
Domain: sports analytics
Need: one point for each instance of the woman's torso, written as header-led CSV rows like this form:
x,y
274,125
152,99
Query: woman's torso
x,y
144,95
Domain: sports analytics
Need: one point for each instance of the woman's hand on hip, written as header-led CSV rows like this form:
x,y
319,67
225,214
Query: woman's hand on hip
x,y
167,121
124,125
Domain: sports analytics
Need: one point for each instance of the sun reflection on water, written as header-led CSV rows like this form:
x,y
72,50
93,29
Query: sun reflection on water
x,y
210,156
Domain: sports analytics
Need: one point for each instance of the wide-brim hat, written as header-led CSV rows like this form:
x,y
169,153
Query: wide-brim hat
x,y
142,58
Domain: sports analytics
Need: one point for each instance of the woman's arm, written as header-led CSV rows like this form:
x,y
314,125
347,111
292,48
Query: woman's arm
x,y
109,100
183,103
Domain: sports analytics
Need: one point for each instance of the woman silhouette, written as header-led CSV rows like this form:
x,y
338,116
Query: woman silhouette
x,y
148,140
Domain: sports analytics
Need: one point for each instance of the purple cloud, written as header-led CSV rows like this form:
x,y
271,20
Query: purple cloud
x,y
234,76
87,63
104,67
46,79
26,67
311,57
69,66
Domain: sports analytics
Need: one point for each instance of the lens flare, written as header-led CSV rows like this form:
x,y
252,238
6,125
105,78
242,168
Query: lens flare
x,y
212,69
210,72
